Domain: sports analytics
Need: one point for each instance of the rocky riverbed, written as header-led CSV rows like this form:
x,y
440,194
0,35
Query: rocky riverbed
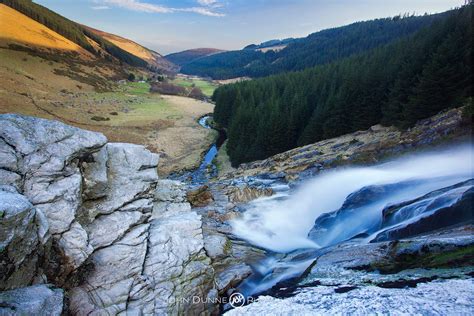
x,y
354,279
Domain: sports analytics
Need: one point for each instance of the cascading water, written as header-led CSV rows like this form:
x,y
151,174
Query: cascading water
x,y
281,224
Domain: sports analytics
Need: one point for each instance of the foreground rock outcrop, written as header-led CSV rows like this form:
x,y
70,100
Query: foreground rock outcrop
x,y
86,227
32,300
93,218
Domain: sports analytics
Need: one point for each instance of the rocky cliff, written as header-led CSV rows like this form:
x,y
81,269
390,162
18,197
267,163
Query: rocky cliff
x,y
90,221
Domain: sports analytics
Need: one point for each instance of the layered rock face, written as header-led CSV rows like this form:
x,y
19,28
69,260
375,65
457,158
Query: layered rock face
x,y
93,218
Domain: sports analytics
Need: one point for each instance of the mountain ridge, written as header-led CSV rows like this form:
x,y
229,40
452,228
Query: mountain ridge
x,y
153,58
189,55
316,49
94,41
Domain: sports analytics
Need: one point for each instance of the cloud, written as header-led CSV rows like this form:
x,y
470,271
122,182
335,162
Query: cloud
x,y
100,7
207,2
215,4
137,5
201,10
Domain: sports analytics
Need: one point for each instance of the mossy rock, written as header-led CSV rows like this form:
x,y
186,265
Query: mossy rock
x,y
402,260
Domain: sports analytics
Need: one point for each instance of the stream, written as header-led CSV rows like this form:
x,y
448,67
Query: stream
x,y
345,204
206,169
212,152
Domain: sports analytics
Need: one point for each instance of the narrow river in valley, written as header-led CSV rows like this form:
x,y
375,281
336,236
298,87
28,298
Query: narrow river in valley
x,y
206,169
212,153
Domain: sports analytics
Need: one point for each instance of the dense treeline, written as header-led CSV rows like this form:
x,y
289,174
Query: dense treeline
x,y
71,30
316,49
168,88
398,84
225,65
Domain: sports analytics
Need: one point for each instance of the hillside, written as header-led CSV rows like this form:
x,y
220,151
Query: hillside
x,y
362,147
397,84
38,59
187,56
18,29
96,42
154,59
316,49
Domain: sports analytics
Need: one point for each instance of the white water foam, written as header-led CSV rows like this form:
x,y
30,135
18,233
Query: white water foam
x,y
282,226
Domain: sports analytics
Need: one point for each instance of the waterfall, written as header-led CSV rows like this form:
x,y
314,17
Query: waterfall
x,y
282,224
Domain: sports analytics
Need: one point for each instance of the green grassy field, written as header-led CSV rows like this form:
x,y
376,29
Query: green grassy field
x,y
132,104
207,87
138,88
148,109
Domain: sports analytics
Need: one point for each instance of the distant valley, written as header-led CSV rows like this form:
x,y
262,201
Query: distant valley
x,y
54,68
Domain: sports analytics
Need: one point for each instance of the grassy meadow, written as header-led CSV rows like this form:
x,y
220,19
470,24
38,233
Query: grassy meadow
x,y
207,87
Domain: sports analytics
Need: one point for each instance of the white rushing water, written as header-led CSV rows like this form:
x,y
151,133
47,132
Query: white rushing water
x,y
283,225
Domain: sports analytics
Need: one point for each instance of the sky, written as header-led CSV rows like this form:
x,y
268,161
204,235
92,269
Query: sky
x,y
174,25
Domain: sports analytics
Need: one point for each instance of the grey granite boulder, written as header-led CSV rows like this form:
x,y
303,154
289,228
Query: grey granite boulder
x,y
22,234
93,217
46,155
170,191
10,178
33,300
132,174
148,261
216,246
232,276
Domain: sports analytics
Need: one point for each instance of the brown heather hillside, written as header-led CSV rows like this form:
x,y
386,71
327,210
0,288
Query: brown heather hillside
x,y
36,60
151,57
18,29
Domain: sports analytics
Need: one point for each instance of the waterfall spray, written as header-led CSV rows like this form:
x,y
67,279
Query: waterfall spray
x,y
283,226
